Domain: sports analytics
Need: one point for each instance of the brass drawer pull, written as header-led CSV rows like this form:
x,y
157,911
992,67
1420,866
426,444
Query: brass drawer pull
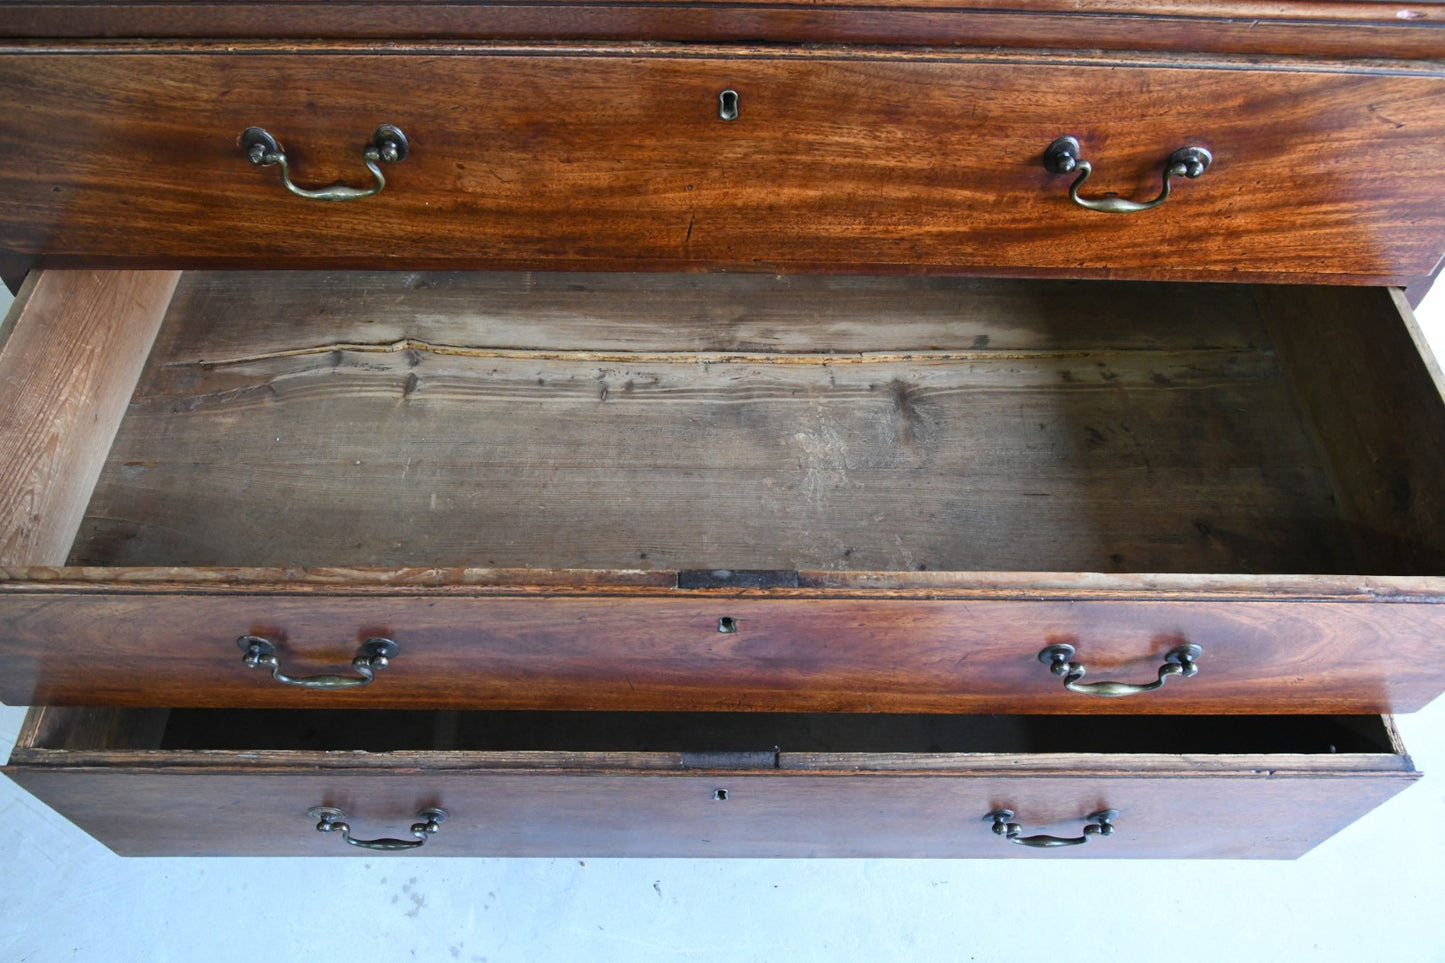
x,y
333,820
1100,823
1062,157
375,653
388,146
1179,660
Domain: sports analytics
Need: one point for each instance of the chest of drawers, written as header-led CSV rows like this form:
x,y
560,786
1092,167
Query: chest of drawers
x,y
704,447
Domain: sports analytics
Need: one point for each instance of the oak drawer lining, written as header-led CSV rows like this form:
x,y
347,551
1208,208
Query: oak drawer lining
x,y
657,422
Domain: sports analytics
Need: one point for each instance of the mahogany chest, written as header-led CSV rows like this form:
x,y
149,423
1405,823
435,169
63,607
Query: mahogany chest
x,y
719,429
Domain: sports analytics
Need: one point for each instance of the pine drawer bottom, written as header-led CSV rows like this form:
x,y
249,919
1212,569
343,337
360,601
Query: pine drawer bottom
x,y
218,782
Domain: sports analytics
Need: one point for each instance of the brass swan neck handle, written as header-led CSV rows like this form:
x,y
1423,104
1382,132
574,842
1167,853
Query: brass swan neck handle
x,y
1063,157
388,146
1179,661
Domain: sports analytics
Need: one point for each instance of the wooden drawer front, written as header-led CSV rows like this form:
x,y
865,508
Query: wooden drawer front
x,y
245,813
616,157
649,651
170,802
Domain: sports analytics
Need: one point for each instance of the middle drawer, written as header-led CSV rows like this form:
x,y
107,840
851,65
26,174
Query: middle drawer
x,y
761,493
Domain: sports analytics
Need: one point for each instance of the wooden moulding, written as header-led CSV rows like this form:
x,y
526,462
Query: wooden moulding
x,y
1291,28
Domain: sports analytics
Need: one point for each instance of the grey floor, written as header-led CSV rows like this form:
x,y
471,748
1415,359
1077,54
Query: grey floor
x,y
1369,894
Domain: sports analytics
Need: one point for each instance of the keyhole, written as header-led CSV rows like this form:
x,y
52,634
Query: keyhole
x,y
727,105
727,624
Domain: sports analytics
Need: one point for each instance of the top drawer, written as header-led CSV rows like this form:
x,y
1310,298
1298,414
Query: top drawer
x,y
618,157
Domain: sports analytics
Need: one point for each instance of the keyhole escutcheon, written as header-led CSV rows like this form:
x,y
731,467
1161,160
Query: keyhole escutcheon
x,y
727,105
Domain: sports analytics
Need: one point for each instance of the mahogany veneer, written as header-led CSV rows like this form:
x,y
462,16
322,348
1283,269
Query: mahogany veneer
x,y
918,787
615,158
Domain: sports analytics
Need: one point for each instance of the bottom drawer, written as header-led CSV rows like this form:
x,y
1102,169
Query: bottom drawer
x,y
223,782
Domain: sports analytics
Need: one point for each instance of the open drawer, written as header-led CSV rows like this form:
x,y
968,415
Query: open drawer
x,y
648,492
259,782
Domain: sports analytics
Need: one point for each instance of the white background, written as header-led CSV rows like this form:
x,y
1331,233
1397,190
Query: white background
x,y
1375,892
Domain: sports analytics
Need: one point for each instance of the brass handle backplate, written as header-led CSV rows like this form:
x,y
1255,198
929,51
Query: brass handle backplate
x,y
1100,823
333,820
375,653
388,146
1062,157
1179,660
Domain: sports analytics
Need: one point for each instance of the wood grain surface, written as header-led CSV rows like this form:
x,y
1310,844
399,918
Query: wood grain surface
x,y
1354,375
70,353
246,812
661,649
614,157
723,422
1252,452
925,802
285,528
1337,30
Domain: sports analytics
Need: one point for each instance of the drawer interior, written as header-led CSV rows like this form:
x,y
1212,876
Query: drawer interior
x,y
749,422
698,738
